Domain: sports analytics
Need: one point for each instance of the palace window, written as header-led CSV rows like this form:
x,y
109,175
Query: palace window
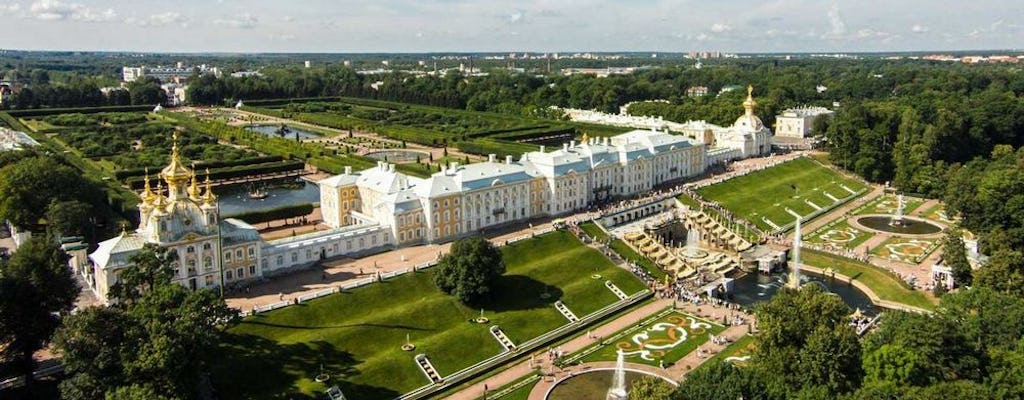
x,y
206,246
238,254
190,249
252,270
207,263
252,251
209,280
280,261
240,272
227,256
229,275
295,256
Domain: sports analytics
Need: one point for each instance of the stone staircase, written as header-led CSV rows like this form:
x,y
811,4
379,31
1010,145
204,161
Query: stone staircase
x,y
502,338
566,312
428,369
615,289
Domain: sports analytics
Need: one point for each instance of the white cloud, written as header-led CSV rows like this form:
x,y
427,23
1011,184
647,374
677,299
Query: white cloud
x,y
12,7
918,28
244,21
515,17
288,18
54,10
162,19
836,21
719,28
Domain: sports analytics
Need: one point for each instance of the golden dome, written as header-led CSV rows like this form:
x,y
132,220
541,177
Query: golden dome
x,y
175,173
749,103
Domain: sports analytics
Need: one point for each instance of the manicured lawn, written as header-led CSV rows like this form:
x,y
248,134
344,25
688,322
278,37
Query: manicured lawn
x,y
356,335
911,251
883,283
594,231
768,193
627,253
840,234
886,204
662,332
743,347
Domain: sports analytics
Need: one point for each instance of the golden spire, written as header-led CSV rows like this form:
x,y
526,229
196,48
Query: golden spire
x,y
209,197
193,189
147,190
749,104
585,138
175,173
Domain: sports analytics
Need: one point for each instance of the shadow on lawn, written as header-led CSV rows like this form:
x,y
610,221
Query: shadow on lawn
x,y
520,292
252,367
384,326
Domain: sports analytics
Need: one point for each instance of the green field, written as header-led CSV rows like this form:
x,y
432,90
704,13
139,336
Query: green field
x,y
886,285
666,331
886,204
908,250
768,193
839,234
356,335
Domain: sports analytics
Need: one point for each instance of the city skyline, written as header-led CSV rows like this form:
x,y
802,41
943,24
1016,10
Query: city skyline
x,y
403,26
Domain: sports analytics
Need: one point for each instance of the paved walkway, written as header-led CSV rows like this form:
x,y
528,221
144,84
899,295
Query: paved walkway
x,y
540,361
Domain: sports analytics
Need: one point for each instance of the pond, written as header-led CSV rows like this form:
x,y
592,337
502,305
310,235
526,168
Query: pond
x,y
753,288
591,385
235,200
907,226
271,130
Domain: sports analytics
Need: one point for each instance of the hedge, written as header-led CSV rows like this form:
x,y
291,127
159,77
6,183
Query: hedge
x,y
135,172
39,112
491,146
274,214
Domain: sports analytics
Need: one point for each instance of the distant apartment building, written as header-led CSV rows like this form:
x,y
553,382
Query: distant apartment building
x,y
178,73
697,91
799,122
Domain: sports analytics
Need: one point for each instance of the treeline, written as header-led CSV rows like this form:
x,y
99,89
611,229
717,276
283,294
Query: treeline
x,y
86,93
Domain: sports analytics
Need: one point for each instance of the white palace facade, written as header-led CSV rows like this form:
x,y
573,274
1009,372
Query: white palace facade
x,y
380,208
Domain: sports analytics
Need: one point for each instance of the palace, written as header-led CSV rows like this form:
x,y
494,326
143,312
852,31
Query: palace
x,y
379,208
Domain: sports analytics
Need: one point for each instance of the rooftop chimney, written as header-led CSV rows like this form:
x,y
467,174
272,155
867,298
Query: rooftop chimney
x,y
444,170
572,144
565,147
541,148
348,170
491,157
508,160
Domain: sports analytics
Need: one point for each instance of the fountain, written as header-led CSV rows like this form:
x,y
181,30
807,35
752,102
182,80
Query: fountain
x,y
692,249
793,280
899,223
897,216
618,389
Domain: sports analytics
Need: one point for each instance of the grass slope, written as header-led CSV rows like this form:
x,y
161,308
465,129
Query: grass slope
x,y
883,283
769,192
357,335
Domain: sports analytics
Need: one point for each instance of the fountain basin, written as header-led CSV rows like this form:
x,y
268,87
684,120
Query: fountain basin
x,y
693,253
910,226
593,384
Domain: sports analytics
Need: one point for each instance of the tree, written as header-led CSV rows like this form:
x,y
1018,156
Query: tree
x,y
68,218
650,388
469,269
135,392
27,188
36,289
894,364
146,91
150,267
163,338
719,380
954,255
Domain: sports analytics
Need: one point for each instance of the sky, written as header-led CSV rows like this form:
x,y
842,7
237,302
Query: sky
x,y
342,26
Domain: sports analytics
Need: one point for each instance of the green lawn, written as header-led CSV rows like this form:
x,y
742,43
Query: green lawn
x,y
908,250
886,204
742,347
661,332
883,283
594,231
840,234
769,192
357,335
